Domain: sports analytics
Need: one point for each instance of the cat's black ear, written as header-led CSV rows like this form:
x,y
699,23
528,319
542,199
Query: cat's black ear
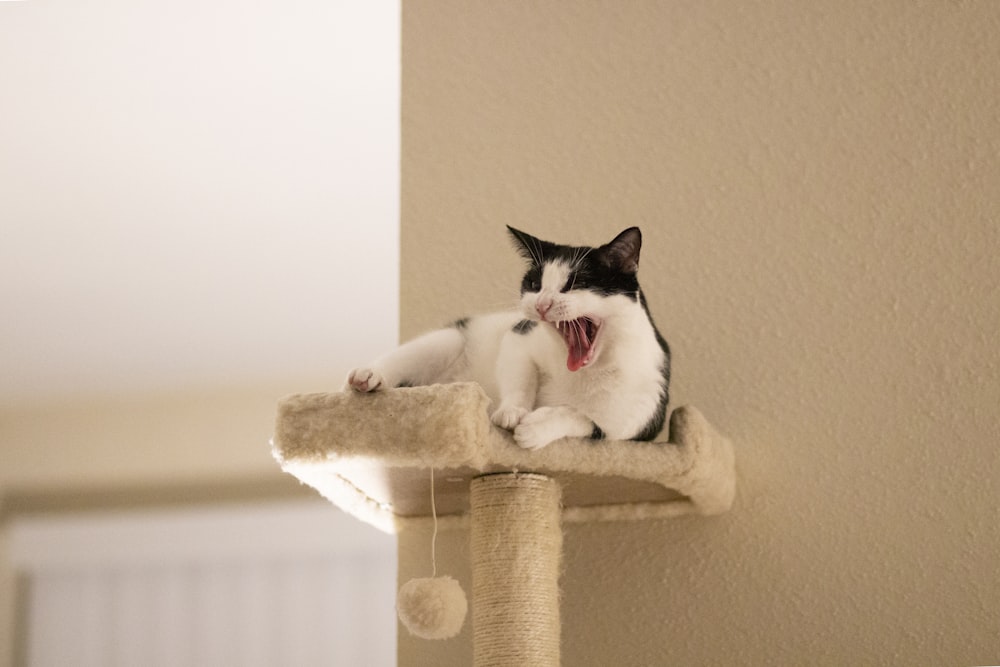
x,y
623,253
528,246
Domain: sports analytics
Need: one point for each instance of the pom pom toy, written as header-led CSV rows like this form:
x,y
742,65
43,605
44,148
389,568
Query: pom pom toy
x,y
432,607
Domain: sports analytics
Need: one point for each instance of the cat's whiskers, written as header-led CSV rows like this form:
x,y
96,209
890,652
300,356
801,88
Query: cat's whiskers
x,y
536,252
511,301
579,255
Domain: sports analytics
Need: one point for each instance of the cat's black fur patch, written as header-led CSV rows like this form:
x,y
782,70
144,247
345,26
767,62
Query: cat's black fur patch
x,y
655,423
532,280
594,276
460,323
524,326
597,434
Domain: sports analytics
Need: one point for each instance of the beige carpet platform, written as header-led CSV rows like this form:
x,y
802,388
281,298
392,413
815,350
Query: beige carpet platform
x,y
371,455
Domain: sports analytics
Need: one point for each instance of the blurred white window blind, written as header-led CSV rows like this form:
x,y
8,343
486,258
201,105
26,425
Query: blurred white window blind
x,y
287,584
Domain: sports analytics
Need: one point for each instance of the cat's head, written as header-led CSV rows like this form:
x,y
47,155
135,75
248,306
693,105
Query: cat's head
x,y
577,289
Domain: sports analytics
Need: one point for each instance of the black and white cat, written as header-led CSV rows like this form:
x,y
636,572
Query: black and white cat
x,y
581,357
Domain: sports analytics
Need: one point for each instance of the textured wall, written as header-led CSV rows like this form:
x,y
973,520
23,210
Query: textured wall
x,y
817,185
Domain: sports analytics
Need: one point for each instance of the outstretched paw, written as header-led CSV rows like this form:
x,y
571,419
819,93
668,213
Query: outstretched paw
x,y
364,380
508,416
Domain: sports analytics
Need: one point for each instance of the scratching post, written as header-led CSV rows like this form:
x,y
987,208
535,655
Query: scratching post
x,y
516,556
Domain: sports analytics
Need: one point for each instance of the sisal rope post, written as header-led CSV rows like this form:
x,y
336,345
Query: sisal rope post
x,y
516,557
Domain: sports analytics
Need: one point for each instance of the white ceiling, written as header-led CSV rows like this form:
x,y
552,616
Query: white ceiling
x,y
195,194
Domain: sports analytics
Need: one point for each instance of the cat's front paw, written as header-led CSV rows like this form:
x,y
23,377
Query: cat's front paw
x,y
364,380
508,416
539,427
547,424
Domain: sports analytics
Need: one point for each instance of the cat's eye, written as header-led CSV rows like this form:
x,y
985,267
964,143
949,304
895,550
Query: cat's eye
x,y
532,280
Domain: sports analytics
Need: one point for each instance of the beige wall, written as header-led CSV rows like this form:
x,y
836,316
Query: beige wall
x,y
818,188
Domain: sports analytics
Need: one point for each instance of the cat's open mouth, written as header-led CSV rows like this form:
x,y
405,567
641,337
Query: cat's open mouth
x,y
580,335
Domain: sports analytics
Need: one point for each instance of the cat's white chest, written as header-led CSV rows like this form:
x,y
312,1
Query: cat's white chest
x,y
587,388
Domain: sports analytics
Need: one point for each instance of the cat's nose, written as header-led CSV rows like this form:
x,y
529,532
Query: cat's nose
x,y
543,306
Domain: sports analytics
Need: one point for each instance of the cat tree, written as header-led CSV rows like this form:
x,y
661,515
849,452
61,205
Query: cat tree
x,y
372,454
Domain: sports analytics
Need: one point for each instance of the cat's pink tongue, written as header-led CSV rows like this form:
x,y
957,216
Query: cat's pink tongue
x,y
579,346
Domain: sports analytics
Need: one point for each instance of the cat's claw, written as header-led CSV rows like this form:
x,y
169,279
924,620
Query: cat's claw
x,y
364,380
508,417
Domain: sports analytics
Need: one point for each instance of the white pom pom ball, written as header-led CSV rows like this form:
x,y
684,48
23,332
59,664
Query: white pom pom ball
x,y
432,607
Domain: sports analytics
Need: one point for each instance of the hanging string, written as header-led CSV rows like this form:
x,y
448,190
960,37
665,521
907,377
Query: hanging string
x,y
434,536
432,607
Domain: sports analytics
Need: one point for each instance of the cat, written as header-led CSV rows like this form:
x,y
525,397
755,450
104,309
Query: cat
x,y
581,357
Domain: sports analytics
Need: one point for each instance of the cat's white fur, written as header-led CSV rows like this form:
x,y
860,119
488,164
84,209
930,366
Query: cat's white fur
x,y
533,392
